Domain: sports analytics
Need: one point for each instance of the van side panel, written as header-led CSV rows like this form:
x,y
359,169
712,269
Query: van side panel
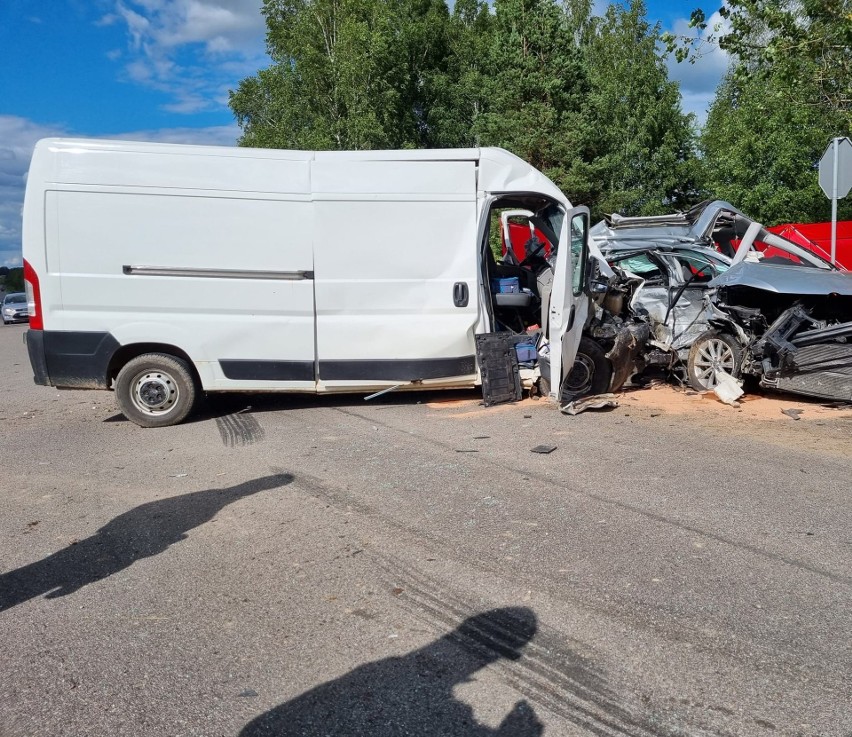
x,y
223,275
392,240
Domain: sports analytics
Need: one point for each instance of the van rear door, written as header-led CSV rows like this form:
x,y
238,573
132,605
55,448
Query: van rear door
x,y
396,270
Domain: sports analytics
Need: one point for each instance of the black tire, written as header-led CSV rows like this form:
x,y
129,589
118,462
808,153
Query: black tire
x,y
710,351
590,374
156,390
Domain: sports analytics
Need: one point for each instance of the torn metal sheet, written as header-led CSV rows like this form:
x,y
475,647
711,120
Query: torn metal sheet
x,y
629,341
598,401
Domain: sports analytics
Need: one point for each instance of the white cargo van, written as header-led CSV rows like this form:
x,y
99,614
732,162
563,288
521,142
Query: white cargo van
x,y
164,271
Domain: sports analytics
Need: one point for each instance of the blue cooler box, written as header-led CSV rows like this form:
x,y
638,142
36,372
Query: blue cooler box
x,y
509,285
526,352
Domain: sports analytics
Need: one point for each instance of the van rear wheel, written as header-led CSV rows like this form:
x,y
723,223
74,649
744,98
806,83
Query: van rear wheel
x,y
156,390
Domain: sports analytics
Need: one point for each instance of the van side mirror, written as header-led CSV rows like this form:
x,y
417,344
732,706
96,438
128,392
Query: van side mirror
x,y
596,283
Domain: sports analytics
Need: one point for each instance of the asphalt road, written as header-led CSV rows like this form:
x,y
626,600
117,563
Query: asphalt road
x,y
330,566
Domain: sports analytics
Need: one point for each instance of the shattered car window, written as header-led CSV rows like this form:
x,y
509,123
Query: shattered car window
x,y
698,268
640,265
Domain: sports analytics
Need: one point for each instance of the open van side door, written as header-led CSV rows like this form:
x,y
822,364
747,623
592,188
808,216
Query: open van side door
x,y
569,301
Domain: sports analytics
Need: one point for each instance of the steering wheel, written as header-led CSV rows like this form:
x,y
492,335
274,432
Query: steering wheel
x,y
534,252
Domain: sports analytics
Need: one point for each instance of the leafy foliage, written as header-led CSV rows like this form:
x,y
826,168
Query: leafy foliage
x,y
585,99
643,160
761,153
537,90
348,74
14,279
804,46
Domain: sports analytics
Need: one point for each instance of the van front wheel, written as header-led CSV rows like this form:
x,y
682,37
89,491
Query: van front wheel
x,y
155,390
590,374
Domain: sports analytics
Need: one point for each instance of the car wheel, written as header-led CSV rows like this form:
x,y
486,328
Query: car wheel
x,y
590,374
712,352
156,390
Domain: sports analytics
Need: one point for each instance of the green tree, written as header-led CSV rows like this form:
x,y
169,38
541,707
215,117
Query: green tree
x,y
643,160
804,48
14,280
760,152
537,91
347,74
459,89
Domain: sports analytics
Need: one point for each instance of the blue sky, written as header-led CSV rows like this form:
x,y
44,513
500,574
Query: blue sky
x,y
160,70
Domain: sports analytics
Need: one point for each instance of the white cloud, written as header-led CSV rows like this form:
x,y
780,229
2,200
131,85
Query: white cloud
x,y
219,135
698,81
18,136
189,49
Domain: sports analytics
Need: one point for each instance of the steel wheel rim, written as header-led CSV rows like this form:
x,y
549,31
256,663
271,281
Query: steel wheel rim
x,y
155,392
714,354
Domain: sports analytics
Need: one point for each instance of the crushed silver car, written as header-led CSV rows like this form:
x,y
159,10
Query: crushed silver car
x,y
722,295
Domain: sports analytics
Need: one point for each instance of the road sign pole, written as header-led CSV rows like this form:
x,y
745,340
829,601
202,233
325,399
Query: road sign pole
x,y
835,180
834,202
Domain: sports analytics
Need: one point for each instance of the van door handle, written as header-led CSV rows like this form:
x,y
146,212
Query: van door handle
x,y
460,294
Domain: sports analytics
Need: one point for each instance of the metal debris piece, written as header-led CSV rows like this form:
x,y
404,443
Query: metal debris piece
x,y
544,449
596,401
792,413
383,391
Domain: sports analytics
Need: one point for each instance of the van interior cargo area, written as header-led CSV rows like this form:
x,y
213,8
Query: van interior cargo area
x,y
519,294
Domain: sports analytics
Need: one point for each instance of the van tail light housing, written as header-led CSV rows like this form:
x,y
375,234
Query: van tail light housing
x,y
33,297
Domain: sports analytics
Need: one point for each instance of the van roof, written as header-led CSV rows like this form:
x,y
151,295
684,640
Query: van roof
x,y
108,144
500,171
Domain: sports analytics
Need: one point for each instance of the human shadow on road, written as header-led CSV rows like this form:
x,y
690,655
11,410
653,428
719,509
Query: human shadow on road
x,y
141,532
412,695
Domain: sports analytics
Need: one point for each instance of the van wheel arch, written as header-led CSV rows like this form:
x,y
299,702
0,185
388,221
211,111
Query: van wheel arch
x,y
127,353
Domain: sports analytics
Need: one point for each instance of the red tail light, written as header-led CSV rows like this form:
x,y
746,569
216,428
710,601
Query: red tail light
x,y
33,297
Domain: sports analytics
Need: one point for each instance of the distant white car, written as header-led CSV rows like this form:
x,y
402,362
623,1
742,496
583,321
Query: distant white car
x,y
14,308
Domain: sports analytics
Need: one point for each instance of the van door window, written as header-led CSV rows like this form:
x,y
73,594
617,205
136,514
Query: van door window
x,y
579,251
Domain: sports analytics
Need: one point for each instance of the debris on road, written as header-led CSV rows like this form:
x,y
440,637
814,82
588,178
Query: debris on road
x,y
543,449
727,388
598,401
793,413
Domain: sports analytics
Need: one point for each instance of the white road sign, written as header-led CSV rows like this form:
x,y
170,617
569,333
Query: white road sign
x,y
841,150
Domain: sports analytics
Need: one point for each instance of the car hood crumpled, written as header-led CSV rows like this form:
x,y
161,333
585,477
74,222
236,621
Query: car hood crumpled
x,y
785,279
